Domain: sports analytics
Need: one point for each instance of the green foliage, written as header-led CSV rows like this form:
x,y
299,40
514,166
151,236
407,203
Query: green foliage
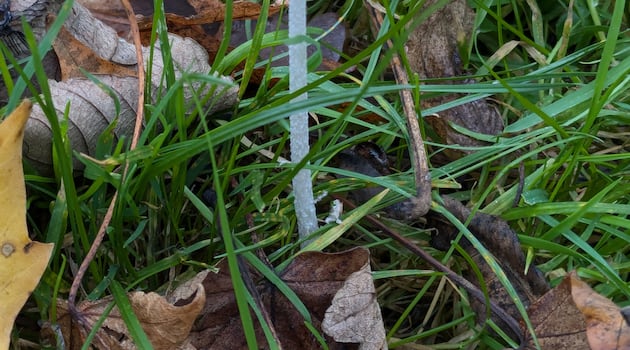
x,y
564,92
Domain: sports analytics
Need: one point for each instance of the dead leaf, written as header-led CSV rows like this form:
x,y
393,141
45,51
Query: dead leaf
x,y
210,11
503,243
331,44
74,56
355,316
92,109
574,316
432,51
315,277
166,325
22,261
557,322
606,327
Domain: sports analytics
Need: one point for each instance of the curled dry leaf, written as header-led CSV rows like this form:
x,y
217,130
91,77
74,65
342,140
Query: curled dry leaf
x,y
503,243
92,109
22,261
355,316
556,320
606,326
574,316
315,277
166,325
75,57
433,53
212,11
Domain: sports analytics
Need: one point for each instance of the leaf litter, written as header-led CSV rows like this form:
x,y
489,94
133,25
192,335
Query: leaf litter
x,y
349,291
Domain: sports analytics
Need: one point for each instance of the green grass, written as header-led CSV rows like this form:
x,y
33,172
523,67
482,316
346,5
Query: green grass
x,y
566,120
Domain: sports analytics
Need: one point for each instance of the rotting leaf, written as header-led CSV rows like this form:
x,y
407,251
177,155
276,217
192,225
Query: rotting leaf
x,y
606,327
74,56
355,316
314,276
167,325
331,44
22,261
93,109
433,52
205,12
502,242
556,320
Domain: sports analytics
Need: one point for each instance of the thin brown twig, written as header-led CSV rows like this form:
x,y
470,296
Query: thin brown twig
x,y
136,135
420,204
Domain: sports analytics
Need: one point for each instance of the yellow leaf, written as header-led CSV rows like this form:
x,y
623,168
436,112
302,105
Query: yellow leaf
x,y
22,261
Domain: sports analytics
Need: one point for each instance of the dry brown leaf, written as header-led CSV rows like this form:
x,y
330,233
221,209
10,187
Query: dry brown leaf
x,y
355,316
204,12
166,325
74,57
502,242
22,261
315,277
606,327
574,316
433,53
557,322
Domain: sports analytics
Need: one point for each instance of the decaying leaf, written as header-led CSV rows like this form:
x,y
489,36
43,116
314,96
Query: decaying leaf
x,y
606,327
433,53
557,322
574,316
502,242
315,277
330,44
91,108
22,261
355,316
74,57
166,325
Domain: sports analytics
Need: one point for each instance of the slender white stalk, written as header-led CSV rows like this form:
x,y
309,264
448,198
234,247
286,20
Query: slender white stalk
x,y
302,186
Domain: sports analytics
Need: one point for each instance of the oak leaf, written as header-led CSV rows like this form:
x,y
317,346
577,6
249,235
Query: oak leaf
x,y
166,325
22,261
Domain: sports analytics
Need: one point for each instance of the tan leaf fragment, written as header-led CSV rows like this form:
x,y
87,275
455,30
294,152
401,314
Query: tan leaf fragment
x,y
74,57
355,316
557,322
606,327
22,261
314,276
166,325
433,52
